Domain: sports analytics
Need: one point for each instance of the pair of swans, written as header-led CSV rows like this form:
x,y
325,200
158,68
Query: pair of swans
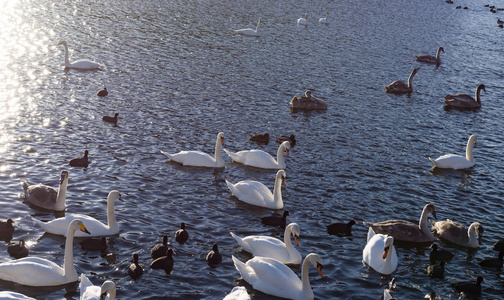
x,y
47,197
256,193
464,101
453,161
458,233
400,87
35,271
379,253
272,277
271,247
88,291
429,58
79,64
250,31
97,228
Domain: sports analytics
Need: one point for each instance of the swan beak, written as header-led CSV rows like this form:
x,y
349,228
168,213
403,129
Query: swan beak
x,y
447,97
103,296
434,214
296,240
287,151
222,140
385,252
475,144
83,228
319,268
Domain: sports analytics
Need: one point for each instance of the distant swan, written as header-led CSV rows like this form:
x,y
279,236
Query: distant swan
x,y
308,102
111,119
199,158
250,31
303,21
88,291
380,253
399,87
325,20
429,58
256,193
453,161
458,233
103,92
464,100
47,197
261,159
81,161
79,64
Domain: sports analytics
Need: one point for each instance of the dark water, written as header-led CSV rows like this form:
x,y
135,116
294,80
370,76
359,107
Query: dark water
x,y
178,75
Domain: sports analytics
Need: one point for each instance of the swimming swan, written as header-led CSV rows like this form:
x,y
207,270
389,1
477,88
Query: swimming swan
x,y
326,19
47,197
453,161
407,231
261,159
201,159
79,64
270,276
250,31
458,233
88,291
464,100
35,271
399,87
271,247
97,228
303,21
238,293
429,58
255,193
380,253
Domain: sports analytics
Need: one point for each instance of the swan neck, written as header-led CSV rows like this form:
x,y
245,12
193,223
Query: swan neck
x,y
423,224
469,150
218,155
477,96
277,192
304,275
257,27
67,62
471,234
280,157
68,263
111,219
438,54
410,79
287,239
61,196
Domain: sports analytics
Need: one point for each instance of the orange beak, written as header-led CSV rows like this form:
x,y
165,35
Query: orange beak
x,y
319,268
296,240
385,252
222,140
284,181
287,152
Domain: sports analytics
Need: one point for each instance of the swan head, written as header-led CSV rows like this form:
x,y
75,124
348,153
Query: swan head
x,y
286,145
78,225
415,70
220,135
316,261
63,43
306,16
63,176
108,287
481,87
477,228
114,195
387,249
441,49
430,209
295,231
473,140
282,175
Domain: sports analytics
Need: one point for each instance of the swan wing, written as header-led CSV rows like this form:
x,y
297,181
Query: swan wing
x,y
32,271
252,192
258,158
461,100
400,230
397,84
84,65
59,226
88,291
426,58
8,295
193,158
247,31
41,195
453,161
451,231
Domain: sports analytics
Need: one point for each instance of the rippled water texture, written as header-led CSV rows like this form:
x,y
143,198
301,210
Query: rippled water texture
x,y
178,75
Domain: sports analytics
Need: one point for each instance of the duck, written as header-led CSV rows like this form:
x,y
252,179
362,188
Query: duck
x,y
499,21
81,161
291,139
492,261
303,21
181,235
388,290
8,295
256,193
160,249
308,102
325,20
457,162
400,87
94,244
135,270
88,291
103,92
97,228
341,228
261,159
458,233
379,253
250,31
260,138
272,277
464,101
469,287
6,227
36,271
79,64
17,249
407,231
276,220
199,158
164,262
111,119
214,257
268,246
436,270
47,197
238,293
439,254
431,59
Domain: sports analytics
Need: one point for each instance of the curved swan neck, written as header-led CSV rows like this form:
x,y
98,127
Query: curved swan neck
x,y
218,148
438,54
471,234
61,196
304,275
469,150
277,191
280,158
477,96
287,238
423,223
258,23
68,264
410,79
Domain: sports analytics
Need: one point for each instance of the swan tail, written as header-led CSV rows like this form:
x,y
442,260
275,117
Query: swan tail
x,y
230,187
84,282
240,242
43,226
166,154
233,155
433,161
245,271
370,234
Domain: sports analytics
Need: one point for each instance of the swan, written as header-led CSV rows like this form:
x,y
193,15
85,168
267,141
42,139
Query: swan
x,y
261,159
453,161
250,31
458,233
214,257
238,293
399,87
325,20
303,21
271,247
97,228
79,64
255,193
407,231
181,235
429,58
386,292
201,159
380,253
308,102
81,161
160,249
47,197
464,100
270,276
111,119
7,295
135,270
35,271
88,291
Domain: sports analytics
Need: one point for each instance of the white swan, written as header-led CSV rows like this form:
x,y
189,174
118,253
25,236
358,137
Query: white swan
x,y
268,246
201,159
79,64
457,233
97,228
453,161
88,291
7,295
261,159
325,20
270,276
255,193
250,31
47,197
303,21
35,271
238,293
380,253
